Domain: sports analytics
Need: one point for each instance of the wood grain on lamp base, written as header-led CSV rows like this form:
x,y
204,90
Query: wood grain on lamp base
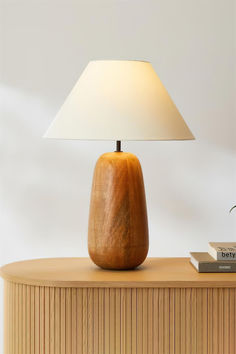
x,y
52,320
118,228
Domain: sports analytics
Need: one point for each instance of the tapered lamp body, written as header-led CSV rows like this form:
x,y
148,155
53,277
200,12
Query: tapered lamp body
x,y
118,227
118,100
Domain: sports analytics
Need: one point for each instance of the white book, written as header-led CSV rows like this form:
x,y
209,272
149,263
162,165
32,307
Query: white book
x,y
223,251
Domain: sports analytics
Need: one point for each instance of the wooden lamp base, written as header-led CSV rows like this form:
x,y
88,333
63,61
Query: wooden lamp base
x,y
118,227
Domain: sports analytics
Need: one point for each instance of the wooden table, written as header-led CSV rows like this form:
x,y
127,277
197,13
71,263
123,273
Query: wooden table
x,y
68,306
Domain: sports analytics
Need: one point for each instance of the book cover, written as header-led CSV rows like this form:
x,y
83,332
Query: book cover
x,y
204,263
223,250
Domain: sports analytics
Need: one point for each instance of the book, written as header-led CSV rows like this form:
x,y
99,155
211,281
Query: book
x,y
204,263
223,250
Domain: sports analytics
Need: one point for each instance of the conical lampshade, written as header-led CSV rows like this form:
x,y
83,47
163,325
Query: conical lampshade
x,y
119,100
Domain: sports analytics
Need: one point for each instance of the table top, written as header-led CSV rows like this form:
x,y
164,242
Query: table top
x,y
81,272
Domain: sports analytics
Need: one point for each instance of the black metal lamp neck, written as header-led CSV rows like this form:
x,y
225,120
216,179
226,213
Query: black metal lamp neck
x,y
118,146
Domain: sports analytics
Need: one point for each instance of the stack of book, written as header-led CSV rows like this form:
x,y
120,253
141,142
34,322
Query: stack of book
x,y
220,258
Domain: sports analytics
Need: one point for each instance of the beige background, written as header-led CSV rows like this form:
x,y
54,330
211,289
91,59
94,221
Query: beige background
x,y
45,185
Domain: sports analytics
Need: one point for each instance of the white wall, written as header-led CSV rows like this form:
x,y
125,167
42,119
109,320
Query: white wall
x,y
45,185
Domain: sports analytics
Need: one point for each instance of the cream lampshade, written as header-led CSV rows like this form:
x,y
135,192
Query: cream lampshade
x,y
118,100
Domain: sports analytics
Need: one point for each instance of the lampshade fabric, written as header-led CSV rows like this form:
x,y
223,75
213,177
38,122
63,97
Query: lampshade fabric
x,y
119,100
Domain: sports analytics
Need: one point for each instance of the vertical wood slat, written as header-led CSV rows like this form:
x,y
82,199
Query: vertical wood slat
x,y
204,320
20,317
193,309
123,321
63,320
134,320
199,323
52,331
107,320
215,321
183,321
9,310
57,328
46,324
128,304
41,320
16,318
112,320
79,318
68,321
160,320
232,322
166,321
177,326
85,320
32,319
37,320
172,320
226,318
6,319
119,321
13,289
139,321
90,314
150,322
220,320
145,320
155,320
28,319
96,321
209,321
24,319
73,321
188,325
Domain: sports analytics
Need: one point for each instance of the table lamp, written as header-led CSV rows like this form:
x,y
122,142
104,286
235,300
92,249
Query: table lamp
x,y
118,100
